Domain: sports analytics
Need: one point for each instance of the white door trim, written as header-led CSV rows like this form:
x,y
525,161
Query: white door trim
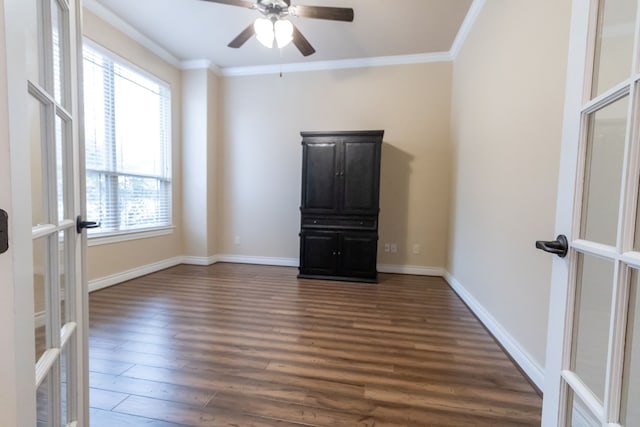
x,y
559,318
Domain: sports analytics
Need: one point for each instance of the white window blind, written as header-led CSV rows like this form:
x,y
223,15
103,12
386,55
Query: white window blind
x,y
127,146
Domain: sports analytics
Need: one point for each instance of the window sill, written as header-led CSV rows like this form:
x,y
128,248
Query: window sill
x,y
125,236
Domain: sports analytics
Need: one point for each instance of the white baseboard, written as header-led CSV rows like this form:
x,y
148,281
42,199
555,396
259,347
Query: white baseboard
x,y
260,260
200,260
510,344
415,270
114,279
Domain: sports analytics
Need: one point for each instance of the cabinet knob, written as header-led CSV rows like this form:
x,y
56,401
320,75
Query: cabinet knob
x,y
315,222
335,253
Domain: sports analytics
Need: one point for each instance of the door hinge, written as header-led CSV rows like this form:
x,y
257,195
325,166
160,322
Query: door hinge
x,y
4,231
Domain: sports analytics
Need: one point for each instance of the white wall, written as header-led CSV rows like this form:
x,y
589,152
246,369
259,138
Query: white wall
x,y
261,156
213,142
508,89
199,171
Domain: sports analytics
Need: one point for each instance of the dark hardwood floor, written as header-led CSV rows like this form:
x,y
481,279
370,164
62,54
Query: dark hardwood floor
x,y
243,345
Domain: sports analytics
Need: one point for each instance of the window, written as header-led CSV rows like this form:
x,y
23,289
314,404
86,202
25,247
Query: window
x,y
127,146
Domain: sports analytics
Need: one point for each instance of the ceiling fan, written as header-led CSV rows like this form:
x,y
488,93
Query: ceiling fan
x,y
274,27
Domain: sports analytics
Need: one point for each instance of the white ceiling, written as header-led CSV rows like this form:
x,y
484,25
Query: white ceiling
x,y
193,30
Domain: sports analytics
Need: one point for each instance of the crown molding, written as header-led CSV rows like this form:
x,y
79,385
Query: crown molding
x,y
466,27
201,64
381,61
195,64
120,24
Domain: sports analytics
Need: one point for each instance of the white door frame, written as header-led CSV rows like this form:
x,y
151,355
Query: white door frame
x,y
11,402
21,359
17,337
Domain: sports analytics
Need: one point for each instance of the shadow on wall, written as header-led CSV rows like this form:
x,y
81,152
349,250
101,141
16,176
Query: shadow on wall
x,y
395,172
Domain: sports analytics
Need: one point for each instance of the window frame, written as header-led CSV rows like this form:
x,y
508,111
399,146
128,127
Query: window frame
x,y
117,236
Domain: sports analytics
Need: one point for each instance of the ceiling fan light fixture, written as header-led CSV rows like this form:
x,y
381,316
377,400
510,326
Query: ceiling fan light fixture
x,y
264,31
283,32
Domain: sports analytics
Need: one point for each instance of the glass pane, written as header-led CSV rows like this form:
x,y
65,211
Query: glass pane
x,y
591,330
140,131
630,412
603,173
60,166
65,399
63,267
144,202
41,285
636,240
98,126
97,195
58,67
614,44
579,415
38,209
43,401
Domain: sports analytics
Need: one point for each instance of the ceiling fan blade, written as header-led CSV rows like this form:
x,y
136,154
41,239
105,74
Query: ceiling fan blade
x,y
302,43
242,3
242,38
322,12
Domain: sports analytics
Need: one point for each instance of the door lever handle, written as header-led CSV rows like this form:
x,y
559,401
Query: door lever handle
x,y
4,231
559,247
80,224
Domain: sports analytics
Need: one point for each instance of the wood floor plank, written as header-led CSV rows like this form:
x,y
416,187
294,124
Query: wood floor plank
x,y
101,418
300,413
108,366
103,399
252,345
197,417
152,389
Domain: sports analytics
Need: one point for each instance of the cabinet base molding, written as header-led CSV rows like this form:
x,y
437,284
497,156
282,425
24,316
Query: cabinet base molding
x,y
338,278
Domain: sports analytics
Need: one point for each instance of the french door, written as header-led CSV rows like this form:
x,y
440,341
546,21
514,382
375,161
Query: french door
x,y
49,291
593,350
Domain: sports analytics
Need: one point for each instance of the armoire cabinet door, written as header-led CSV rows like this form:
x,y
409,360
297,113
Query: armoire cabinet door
x,y
360,178
318,253
358,253
320,177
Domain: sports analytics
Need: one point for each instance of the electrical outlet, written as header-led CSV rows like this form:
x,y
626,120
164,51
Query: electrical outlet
x,y
236,240
416,249
386,247
394,248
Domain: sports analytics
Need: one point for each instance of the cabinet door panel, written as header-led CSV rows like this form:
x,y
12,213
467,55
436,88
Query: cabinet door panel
x,y
318,253
319,177
358,255
361,179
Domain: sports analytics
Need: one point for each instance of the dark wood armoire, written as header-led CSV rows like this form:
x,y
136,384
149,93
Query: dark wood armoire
x,y
340,205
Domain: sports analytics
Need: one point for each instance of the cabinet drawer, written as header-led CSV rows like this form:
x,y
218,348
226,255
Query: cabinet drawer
x,y
333,222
